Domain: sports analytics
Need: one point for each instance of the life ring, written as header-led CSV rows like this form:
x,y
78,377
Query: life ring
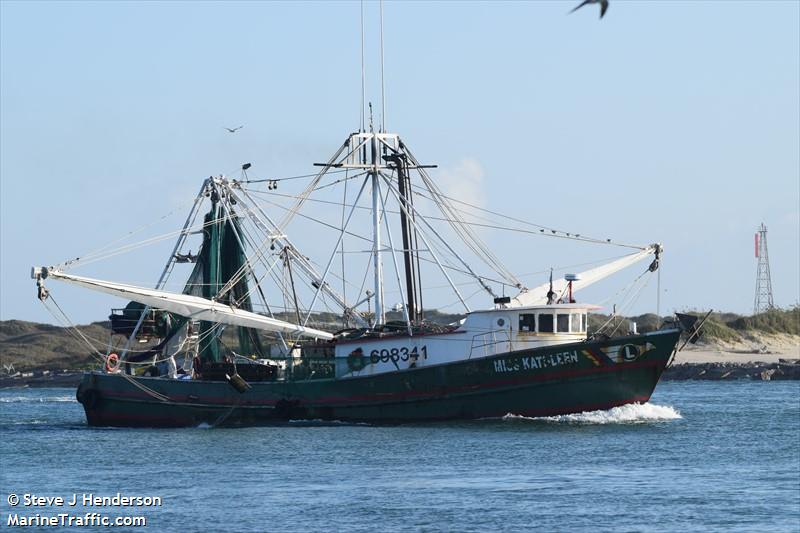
x,y
112,363
355,361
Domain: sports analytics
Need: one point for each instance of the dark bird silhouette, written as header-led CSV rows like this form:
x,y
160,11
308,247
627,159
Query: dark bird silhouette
x,y
603,6
233,130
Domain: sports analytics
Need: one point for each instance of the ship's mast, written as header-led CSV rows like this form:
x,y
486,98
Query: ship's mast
x,y
384,159
380,312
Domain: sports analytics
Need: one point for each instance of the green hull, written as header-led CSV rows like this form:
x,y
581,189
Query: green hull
x,y
562,379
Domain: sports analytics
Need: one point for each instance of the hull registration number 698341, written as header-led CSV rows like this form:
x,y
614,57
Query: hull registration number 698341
x,y
398,354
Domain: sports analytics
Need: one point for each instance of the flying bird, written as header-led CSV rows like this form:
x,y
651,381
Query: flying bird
x,y
233,130
603,6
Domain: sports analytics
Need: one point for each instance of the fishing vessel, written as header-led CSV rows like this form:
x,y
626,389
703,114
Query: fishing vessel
x,y
244,342
273,319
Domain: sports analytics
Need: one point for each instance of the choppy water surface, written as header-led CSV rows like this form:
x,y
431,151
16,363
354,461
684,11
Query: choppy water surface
x,y
714,456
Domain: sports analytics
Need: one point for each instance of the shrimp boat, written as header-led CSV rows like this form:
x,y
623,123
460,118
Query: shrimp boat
x,y
264,331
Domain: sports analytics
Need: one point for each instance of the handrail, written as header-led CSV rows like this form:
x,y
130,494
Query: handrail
x,y
493,342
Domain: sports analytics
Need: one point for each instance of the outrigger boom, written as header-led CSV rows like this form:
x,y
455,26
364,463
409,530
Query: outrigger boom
x,y
185,305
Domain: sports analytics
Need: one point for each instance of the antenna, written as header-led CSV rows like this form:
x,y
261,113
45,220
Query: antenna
x,y
363,75
763,299
551,295
370,117
383,92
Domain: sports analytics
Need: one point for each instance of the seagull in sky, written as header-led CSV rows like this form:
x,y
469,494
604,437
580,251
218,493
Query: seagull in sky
x,y
233,130
603,6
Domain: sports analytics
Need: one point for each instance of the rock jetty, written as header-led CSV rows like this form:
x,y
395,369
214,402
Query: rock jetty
x,y
784,369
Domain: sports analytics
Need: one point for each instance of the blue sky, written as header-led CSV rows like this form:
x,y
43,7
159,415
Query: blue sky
x,y
667,121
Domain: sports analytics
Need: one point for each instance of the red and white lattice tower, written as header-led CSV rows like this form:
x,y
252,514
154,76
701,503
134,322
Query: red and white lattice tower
x,y
763,299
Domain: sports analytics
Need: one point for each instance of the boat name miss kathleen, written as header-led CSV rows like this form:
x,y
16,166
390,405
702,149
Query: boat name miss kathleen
x,y
536,361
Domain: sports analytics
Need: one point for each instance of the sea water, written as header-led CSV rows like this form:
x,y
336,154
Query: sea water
x,y
710,456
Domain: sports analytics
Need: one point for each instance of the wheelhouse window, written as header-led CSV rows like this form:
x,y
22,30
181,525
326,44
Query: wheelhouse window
x,y
563,323
577,323
546,323
527,322
574,323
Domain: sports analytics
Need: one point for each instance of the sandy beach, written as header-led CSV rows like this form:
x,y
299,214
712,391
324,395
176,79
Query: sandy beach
x,y
755,349
711,356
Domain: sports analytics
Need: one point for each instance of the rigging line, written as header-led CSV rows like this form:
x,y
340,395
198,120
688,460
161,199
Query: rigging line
x,y
167,271
229,212
311,279
630,304
469,283
383,91
68,326
560,268
256,281
344,275
489,223
334,274
308,199
360,207
624,292
342,278
133,246
318,221
363,73
288,178
500,282
247,267
464,232
468,298
278,278
187,227
333,255
658,290
405,207
261,249
467,234
559,234
539,226
467,273
154,361
433,230
250,204
131,233
288,264
101,358
361,289
394,260
310,188
631,297
366,270
623,289
340,180
147,390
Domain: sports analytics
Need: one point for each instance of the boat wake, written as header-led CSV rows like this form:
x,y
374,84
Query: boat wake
x,y
635,413
45,399
318,422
